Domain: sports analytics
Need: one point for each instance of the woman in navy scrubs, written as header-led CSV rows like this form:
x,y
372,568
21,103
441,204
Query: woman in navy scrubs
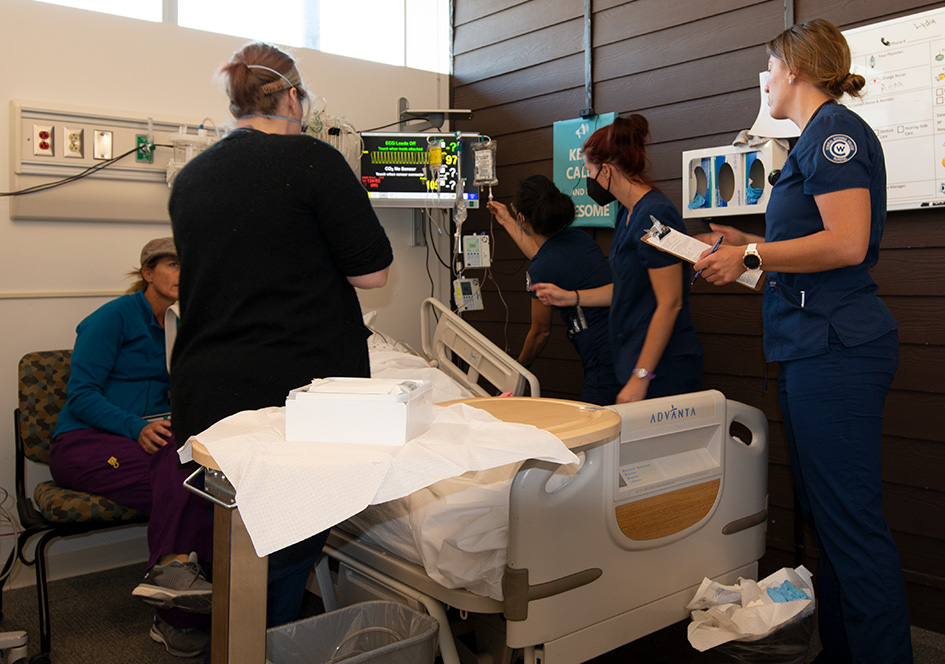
x,y
655,347
539,224
835,340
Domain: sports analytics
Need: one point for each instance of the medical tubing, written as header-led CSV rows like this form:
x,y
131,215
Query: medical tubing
x,y
426,259
58,183
436,251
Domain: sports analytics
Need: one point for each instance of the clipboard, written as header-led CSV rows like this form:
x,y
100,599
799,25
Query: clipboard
x,y
689,249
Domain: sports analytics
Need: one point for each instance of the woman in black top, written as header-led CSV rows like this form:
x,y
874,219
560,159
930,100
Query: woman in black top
x,y
278,233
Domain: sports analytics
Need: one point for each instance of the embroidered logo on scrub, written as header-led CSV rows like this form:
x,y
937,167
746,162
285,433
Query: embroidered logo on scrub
x,y
839,148
113,462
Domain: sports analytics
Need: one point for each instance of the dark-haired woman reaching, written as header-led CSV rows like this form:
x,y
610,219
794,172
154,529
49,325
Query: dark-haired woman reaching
x,y
539,224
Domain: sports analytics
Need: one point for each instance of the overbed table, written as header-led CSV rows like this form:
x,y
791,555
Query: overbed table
x,y
239,575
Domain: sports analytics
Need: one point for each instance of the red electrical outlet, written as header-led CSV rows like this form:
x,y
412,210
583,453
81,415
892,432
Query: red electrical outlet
x,y
43,140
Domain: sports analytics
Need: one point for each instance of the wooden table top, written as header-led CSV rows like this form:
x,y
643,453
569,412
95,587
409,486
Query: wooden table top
x,y
574,422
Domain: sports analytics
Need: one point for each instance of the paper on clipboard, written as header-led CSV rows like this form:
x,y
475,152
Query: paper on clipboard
x,y
689,249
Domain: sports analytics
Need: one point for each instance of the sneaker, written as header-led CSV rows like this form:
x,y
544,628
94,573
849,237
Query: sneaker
x,y
177,585
180,642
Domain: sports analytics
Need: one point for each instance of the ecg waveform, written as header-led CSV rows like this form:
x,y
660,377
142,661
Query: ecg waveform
x,y
399,157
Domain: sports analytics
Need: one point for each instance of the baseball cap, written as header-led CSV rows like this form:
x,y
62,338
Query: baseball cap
x,y
162,246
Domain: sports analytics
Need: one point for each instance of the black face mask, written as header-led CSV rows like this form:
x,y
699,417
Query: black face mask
x,y
597,192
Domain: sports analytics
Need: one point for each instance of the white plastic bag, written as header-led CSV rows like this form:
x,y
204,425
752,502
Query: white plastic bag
x,y
745,611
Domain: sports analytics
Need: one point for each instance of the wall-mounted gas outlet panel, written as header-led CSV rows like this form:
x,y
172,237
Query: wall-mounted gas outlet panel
x,y
50,142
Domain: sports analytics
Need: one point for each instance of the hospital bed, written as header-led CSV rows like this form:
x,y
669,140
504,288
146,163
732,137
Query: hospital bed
x,y
458,359
556,564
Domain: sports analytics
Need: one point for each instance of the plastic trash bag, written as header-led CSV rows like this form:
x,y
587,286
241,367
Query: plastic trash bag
x,y
746,612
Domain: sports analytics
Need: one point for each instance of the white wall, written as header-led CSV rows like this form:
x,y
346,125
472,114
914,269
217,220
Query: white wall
x,y
50,272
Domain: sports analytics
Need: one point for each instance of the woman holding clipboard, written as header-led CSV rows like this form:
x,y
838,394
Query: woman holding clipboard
x,y
834,339
655,347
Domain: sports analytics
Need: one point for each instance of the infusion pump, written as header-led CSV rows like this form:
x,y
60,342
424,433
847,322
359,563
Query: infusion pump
x,y
467,294
476,251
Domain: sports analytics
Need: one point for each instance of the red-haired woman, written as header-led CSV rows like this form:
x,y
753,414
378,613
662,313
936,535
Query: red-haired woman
x,y
655,346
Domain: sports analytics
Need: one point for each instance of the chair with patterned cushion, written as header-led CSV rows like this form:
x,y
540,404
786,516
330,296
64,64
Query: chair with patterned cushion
x,y
53,511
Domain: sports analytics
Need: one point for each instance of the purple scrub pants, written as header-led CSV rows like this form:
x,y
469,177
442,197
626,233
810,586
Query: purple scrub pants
x,y
116,467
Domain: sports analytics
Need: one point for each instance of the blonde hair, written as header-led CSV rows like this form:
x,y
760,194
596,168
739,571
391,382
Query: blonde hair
x,y
818,52
138,275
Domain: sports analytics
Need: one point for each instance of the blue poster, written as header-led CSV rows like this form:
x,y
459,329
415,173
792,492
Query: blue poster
x,y
569,171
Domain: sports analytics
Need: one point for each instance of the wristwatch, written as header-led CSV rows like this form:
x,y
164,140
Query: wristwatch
x,y
752,260
640,372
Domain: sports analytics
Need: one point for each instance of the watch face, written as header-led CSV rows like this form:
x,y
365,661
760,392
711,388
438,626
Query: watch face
x,y
752,261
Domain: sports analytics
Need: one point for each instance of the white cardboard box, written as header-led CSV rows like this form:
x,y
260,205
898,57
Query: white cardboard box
x,y
371,411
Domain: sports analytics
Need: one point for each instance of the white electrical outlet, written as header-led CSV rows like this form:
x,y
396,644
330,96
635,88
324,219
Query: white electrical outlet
x,y
43,140
73,140
102,144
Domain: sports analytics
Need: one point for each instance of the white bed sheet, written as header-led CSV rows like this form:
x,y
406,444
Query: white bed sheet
x,y
456,529
395,359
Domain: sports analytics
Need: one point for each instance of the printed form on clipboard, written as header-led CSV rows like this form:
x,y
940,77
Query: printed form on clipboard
x,y
688,248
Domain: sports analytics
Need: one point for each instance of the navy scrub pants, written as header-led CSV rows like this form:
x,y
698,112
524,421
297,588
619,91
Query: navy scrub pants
x,y
832,406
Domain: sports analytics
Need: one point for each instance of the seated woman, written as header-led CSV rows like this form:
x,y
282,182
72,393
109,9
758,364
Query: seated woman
x,y
571,259
113,437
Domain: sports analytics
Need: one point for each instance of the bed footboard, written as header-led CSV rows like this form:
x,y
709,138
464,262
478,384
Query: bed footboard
x,y
630,537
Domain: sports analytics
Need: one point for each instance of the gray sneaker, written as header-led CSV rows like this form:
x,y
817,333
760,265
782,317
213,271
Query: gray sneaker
x,y
177,585
180,642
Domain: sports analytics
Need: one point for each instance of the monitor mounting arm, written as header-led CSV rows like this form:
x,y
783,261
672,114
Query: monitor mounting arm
x,y
433,118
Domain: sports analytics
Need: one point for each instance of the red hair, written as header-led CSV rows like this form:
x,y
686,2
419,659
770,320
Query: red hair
x,y
258,90
622,144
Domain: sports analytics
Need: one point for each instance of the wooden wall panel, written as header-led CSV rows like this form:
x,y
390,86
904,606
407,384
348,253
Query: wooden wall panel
x,y
466,12
513,22
687,42
565,72
691,68
709,77
520,52
621,20
855,13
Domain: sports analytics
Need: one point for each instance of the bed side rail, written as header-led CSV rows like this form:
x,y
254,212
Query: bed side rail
x,y
451,334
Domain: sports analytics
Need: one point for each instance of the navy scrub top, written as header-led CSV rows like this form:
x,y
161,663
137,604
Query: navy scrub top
x,y
837,150
634,301
572,260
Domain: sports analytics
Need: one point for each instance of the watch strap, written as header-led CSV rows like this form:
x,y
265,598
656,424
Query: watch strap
x,y
752,255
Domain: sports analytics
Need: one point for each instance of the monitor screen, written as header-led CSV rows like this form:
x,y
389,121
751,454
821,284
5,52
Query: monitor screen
x,y
395,171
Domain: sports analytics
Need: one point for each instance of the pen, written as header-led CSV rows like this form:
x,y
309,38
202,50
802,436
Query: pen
x,y
714,248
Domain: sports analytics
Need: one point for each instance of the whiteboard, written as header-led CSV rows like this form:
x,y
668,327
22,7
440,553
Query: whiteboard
x,y
903,62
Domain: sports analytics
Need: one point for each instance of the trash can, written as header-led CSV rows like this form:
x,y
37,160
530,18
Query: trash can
x,y
385,632
788,645
765,622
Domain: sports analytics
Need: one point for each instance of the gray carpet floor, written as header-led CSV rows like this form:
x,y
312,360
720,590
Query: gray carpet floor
x,y
95,620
